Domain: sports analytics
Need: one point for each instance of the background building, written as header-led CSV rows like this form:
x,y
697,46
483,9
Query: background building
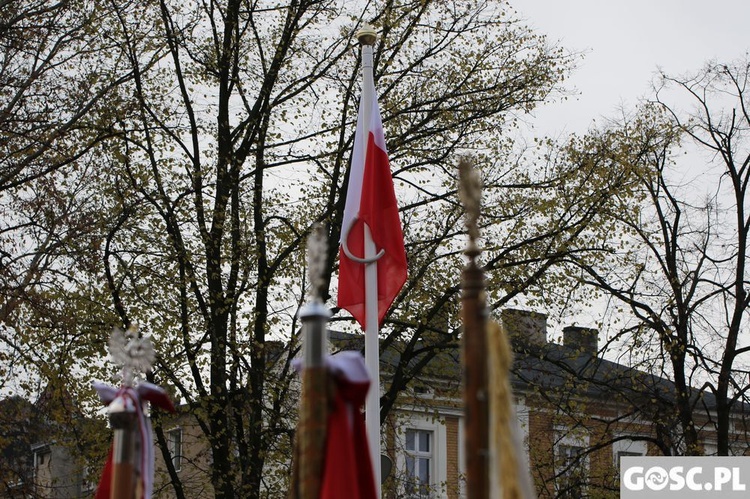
x,y
578,414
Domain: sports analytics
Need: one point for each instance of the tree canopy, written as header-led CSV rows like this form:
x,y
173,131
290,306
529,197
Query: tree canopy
x,y
192,147
164,161
678,268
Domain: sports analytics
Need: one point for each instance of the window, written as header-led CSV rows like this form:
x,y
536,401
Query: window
x,y
87,484
522,416
423,391
571,461
418,462
41,455
569,455
174,441
628,447
571,466
40,464
424,445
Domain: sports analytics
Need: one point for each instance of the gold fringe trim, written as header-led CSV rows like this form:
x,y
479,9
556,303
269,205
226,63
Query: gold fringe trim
x,y
502,412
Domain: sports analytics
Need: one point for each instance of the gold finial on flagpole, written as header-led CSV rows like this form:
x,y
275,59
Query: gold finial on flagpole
x,y
367,35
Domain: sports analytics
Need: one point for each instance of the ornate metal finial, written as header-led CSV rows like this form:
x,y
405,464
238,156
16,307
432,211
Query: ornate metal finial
x,y
470,194
367,35
317,250
135,354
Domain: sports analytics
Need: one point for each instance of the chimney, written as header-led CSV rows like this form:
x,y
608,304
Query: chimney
x,y
525,327
581,339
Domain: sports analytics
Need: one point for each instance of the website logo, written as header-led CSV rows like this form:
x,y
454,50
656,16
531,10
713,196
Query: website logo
x,y
684,477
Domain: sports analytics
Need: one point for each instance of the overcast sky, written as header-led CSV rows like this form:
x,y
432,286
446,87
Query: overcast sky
x,y
625,41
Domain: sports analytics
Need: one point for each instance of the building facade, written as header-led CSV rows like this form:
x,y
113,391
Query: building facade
x,y
577,415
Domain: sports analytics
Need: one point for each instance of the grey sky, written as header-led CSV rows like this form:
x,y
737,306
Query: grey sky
x,y
625,42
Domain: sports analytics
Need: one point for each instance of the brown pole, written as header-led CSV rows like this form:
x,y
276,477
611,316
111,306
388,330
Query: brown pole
x,y
122,416
314,402
134,353
310,442
474,319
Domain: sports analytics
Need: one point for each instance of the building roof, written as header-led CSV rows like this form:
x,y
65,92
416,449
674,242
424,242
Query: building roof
x,y
573,368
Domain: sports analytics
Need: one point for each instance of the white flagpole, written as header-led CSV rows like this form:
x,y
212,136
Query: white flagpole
x,y
366,37
372,358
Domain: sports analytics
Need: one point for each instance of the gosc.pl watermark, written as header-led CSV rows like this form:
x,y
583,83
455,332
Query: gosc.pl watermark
x,y
684,477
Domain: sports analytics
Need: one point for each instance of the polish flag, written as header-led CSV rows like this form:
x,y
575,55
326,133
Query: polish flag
x,y
370,200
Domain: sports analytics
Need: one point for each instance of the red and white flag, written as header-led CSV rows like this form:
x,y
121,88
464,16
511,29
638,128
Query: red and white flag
x,y
370,199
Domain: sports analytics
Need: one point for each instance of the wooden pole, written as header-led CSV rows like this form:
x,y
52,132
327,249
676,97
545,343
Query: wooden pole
x,y
314,402
314,399
474,339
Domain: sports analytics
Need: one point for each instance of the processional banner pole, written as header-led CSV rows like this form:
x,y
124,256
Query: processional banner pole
x,y
313,417
129,471
331,457
133,353
495,459
474,341
123,417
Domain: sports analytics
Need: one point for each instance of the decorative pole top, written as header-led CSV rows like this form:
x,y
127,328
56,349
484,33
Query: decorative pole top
x,y
133,353
470,194
317,249
367,35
